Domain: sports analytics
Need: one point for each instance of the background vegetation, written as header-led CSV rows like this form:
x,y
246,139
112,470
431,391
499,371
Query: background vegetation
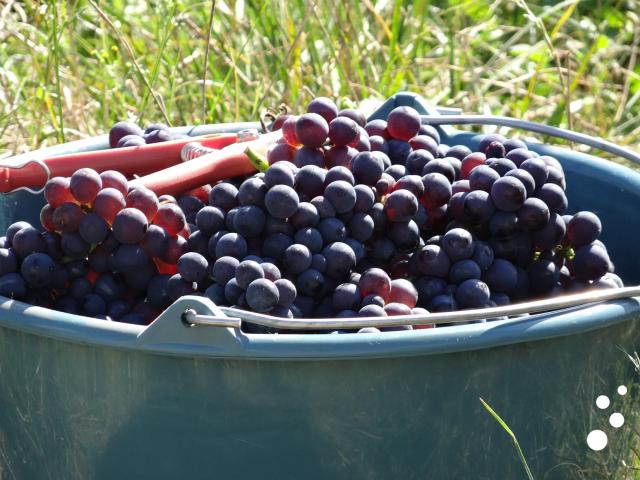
x,y
66,71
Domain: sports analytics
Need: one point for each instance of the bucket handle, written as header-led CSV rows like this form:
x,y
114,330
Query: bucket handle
x,y
190,317
581,138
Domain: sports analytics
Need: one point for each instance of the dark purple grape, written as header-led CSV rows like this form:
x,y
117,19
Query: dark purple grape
x,y
538,170
442,166
281,152
209,220
340,157
178,287
551,234
342,196
249,221
224,269
122,129
501,165
296,259
554,196
495,150
310,181
109,287
323,106
437,190
66,218
355,115
343,131
286,292
401,206
119,308
309,283
486,140
130,257
526,179
432,260
74,246
224,195
399,150
534,214
275,245
590,262
93,304
306,216
130,141
262,295
340,259
310,238
464,270
478,206
339,173
130,226
252,192
192,267
231,244
281,201
472,293
396,172
147,202
404,235
543,276
443,303
583,228
367,168
501,276
508,194
377,127
312,130
482,178
346,296
93,228
379,144
504,224
458,244
309,156
26,241
279,174
157,136
332,230
513,143
37,269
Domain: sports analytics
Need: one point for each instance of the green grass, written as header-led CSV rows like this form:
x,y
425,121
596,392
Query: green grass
x,y
68,72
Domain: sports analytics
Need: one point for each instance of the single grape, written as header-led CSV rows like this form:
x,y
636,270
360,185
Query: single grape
x,y
341,194
26,241
526,179
553,196
262,295
281,201
57,191
508,194
375,281
74,246
170,217
67,217
85,185
115,179
590,262
550,234
281,152
223,195
176,247
432,260
249,221
144,200
404,235
543,276
534,214
401,206
403,123
109,287
340,259
130,226
324,107
464,270
478,206
504,224
130,141
472,293
286,292
441,166
501,276
93,228
583,228
538,170
231,244
312,130
192,267
470,162
343,131
437,190
296,259
346,296
122,129
482,178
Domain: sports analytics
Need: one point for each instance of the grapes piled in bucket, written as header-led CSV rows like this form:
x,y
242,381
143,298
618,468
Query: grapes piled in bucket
x,y
350,219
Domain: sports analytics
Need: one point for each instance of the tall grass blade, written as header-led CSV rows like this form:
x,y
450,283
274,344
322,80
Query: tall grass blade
x,y
511,434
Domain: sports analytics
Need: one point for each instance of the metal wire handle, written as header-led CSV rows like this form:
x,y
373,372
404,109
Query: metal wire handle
x,y
190,317
582,138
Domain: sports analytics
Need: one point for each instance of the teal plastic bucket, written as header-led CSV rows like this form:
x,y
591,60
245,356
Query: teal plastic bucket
x,y
83,398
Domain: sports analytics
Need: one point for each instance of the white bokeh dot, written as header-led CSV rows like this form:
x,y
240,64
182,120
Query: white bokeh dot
x,y
616,420
622,390
602,402
597,440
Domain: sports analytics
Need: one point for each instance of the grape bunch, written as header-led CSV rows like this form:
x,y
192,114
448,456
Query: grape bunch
x,y
129,134
351,218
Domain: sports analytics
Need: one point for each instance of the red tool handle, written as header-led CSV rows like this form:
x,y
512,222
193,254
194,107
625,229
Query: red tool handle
x,y
229,162
139,160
